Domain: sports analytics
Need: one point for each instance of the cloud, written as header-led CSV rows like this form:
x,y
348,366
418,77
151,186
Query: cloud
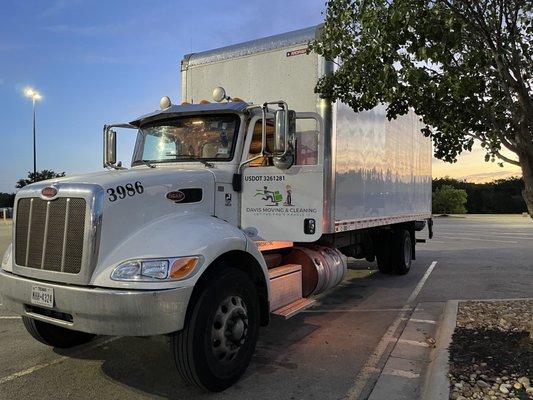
x,y
90,30
100,59
481,177
96,59
4,47
490,176
57,7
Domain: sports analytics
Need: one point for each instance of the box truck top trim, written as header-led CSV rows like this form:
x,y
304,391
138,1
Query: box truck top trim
x,y
289,39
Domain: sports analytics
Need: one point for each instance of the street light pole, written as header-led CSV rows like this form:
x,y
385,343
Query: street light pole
x,y
35,96
34,144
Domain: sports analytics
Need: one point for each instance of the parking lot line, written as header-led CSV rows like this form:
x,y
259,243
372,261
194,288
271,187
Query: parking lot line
x,y
455,237
370,367
423,321
11,317
54,361
489,232
402,373
350,310
413,342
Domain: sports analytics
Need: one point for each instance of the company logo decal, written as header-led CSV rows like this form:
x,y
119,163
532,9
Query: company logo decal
x,y
176,196
274,197
188,195
49,192
296,52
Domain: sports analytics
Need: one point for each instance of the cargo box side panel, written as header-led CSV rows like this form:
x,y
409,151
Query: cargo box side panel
x,y
287,74
383,169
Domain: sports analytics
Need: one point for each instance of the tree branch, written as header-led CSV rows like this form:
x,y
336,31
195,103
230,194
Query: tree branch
x,y
507,143
506,159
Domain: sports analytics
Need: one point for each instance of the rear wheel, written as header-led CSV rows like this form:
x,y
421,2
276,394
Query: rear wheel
x,y
383,253
55,336
402,252
220,333
395,252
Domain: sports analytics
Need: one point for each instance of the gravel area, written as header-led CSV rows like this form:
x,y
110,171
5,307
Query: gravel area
x,y
491,355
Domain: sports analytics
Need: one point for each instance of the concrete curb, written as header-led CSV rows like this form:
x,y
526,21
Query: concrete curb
x,y
402,375
436,385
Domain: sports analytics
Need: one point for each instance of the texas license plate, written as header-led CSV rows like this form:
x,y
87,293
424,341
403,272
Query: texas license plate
x,y
42,296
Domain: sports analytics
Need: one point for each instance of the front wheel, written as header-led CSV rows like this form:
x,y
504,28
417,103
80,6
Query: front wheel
x,y
55,336
220,333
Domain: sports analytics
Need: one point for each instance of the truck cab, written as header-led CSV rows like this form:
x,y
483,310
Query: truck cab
x,y
129,251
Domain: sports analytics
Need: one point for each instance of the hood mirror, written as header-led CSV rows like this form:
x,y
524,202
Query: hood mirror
x,y
110,147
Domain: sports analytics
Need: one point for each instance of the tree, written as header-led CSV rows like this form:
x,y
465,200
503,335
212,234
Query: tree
x,y
38,176
502,196
7,199
464,66
448,200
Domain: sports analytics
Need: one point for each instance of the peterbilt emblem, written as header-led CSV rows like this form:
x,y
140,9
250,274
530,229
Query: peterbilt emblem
x,y
176,196
49,192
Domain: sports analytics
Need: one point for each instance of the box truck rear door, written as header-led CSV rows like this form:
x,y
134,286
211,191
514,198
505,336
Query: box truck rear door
x,y
286,204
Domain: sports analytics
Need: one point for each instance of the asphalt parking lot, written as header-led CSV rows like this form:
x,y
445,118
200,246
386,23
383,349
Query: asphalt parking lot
x,y
327,352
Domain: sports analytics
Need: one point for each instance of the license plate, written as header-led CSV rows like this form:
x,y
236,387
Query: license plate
x,y
42,296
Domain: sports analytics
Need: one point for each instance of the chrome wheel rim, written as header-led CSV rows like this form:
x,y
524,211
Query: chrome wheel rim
x,y
230,328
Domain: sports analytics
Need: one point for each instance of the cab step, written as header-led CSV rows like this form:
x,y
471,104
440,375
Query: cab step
x,y
285,285
290,310
286,291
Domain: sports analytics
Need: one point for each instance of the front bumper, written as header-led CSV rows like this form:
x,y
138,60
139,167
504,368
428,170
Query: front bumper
x,y
99,310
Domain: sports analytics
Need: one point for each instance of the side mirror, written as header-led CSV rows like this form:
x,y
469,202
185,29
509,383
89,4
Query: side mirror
x,y
281,131
283,142
110,147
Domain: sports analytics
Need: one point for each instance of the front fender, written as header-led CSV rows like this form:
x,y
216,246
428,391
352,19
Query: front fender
x,y
172,236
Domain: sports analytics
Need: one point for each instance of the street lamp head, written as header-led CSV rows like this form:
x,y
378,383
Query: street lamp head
x,y
33,94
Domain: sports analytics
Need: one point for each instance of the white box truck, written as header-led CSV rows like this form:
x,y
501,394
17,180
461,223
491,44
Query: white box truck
x,y
232,211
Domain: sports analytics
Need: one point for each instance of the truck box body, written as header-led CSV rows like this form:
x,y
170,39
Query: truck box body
x,y
376,171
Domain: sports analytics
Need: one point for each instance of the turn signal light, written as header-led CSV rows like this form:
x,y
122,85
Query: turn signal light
x,y
182,267
156,270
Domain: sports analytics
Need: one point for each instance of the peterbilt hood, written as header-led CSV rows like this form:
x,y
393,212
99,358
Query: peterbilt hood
x,y
147,176
135,198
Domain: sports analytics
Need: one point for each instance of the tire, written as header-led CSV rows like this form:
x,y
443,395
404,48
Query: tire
x,y
55,336
402,252
220,332
383,255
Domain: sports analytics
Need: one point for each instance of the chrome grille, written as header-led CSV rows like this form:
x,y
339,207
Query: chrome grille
x,y
49,235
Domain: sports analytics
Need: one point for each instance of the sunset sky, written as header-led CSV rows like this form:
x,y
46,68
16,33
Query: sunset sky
x,y
97,62
472,167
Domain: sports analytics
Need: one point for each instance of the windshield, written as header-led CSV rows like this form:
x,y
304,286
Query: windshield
x,y
210,137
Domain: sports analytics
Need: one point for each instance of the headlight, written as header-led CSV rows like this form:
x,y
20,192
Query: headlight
x,y
156,270
6,260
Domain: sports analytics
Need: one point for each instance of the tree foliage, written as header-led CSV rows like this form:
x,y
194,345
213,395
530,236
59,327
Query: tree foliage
x,y
464,66
502,196
38,176
7,199
448,200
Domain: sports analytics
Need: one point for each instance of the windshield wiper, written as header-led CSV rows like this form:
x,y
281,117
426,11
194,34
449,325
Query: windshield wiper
x,y
145,162
192,158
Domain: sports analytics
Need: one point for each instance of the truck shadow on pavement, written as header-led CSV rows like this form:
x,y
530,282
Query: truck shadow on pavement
x,y
145,365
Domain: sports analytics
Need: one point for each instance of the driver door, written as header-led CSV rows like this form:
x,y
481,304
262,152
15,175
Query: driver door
x,y
279,204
